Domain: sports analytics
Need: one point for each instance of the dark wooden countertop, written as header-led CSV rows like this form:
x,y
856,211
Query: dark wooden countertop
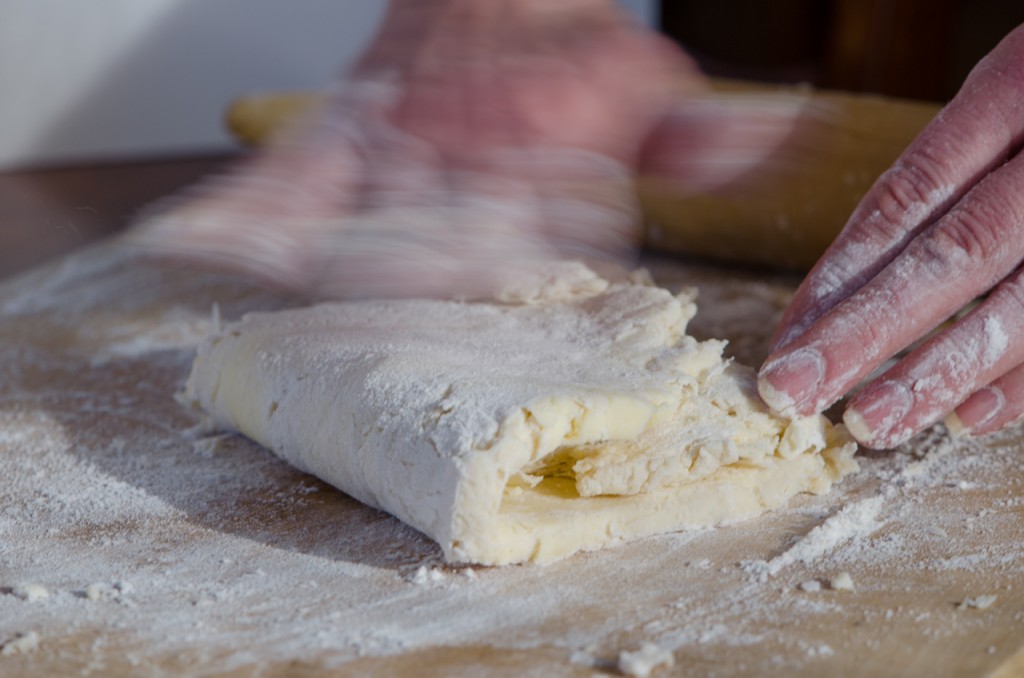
x,y
48,212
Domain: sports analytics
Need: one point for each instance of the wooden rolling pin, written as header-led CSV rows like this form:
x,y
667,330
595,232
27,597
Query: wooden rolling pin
x,y
785,221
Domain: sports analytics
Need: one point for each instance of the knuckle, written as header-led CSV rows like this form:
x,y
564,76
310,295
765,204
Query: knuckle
x,y
908,192
1005,64
864,332
968,236
1010,294
982,232
998,79
867,326
898,193
1011,385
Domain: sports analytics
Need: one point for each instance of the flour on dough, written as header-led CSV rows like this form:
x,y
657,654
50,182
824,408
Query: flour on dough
x,y
569,417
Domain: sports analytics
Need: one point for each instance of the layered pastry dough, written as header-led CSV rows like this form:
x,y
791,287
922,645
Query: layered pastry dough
x,y
569,417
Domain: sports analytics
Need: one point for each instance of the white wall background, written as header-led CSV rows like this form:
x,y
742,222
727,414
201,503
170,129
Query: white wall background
x,y
107,79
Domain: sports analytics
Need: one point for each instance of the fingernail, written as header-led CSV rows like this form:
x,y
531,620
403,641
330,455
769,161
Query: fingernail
x,y
788,383
976,412
876,423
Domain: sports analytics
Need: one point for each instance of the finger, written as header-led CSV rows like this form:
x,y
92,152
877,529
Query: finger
x,y
714,140
991,408
577,203
259,218
595,82
454,251
972,136
969,250
398,40
587,205
433,106
399,168
942,373
638,74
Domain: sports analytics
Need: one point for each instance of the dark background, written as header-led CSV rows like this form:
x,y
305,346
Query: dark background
x,y
919,49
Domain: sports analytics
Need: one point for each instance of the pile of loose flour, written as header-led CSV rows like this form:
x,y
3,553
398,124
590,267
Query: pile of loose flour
x,y
126,545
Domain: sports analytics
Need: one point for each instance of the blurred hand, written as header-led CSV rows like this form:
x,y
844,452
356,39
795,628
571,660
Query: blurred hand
x,y
944,225
473,137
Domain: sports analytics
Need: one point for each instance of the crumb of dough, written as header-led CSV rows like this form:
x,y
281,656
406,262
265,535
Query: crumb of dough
x,y
22,644
582,658
96,591
30,592
644,661
425,575
841,582
812,586
977,603
104,591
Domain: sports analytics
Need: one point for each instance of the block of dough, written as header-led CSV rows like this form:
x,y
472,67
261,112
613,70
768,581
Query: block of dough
x,y
569,417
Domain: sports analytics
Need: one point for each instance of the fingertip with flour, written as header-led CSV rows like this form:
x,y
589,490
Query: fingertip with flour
x,y
791,384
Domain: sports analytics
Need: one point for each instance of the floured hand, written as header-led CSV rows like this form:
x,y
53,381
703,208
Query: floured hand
x,y
944,225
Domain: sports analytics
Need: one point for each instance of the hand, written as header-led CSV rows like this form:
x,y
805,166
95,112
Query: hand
x,y
472,135
944,225
472,138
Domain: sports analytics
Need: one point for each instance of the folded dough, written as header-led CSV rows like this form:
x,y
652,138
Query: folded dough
x,y
511,431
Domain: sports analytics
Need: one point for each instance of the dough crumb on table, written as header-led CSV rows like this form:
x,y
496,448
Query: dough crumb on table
x,y
427,575
23,644
978,602
645,661
841,582
29,592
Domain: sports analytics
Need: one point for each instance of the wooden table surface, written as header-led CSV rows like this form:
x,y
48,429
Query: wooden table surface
x,y
164,555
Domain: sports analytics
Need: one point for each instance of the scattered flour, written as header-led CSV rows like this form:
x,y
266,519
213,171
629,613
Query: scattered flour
x,y
849,523
996,340
240,563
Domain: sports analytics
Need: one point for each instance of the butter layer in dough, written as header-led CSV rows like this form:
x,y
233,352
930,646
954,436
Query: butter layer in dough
x,y
521,431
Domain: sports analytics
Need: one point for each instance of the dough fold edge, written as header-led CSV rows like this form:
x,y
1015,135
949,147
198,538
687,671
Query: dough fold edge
x,y
544,526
